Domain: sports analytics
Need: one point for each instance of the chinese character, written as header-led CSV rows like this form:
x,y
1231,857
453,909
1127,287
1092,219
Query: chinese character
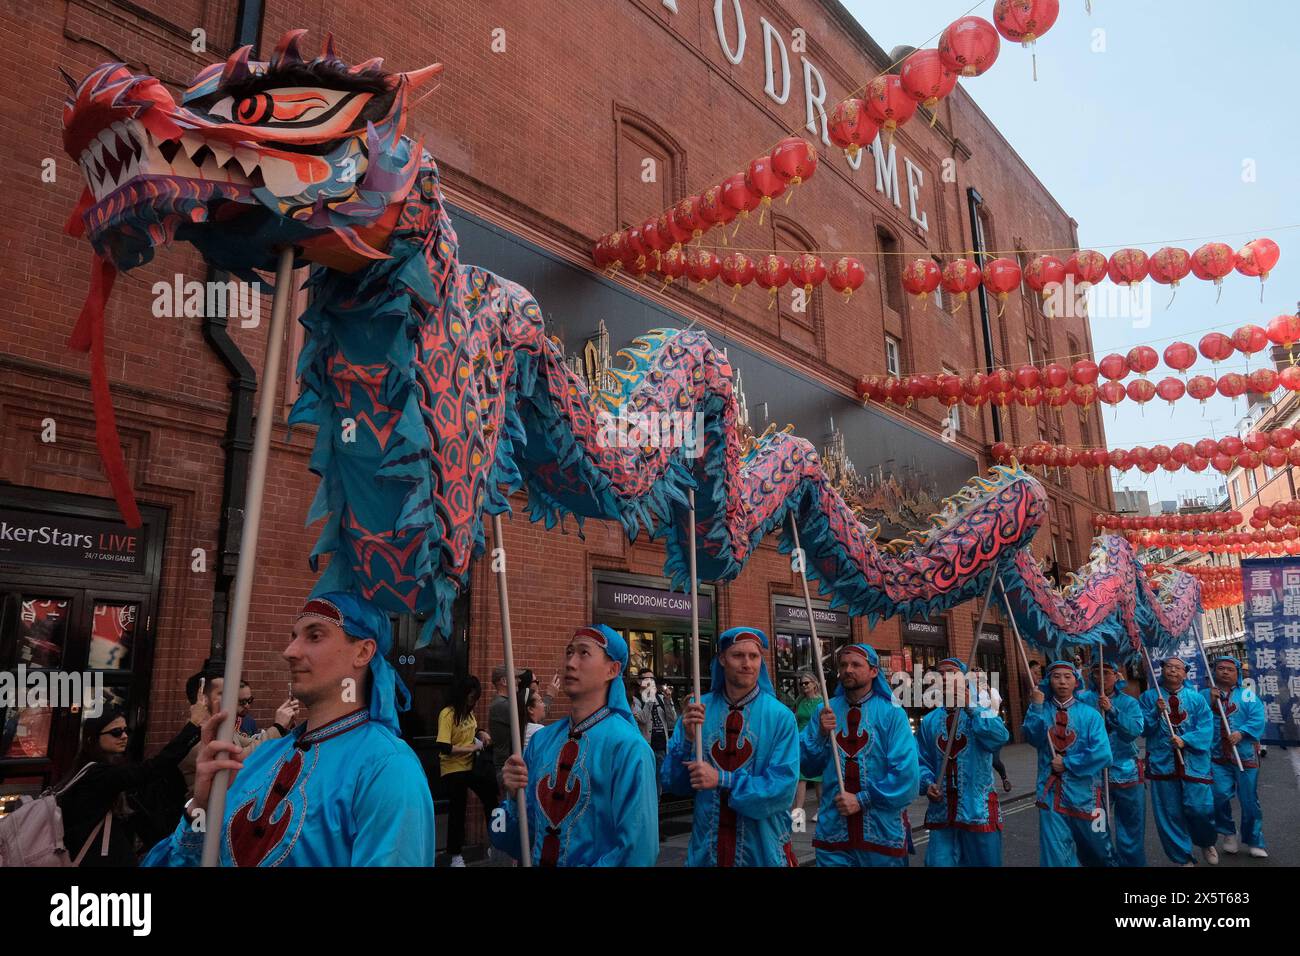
x,y
1263,580
1273,712
1268,685
1291,659
1261,604
1293,685
1265,659
1264,632
1291,604
1290,579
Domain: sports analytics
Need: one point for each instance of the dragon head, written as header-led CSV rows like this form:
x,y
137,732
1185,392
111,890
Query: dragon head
x,y
255,155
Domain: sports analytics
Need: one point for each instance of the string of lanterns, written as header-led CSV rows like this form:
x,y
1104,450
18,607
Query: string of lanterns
x,y
1127,267
1277,541
1220,586
1276,449
1278,515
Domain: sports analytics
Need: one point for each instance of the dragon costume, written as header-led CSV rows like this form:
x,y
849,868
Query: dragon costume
x,y
433,387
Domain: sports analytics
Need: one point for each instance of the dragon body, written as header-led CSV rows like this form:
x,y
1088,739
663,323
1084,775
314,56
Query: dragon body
x,y
436,393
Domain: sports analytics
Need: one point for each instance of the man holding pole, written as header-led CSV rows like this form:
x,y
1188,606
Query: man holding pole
x,y
342,788
745,784
963,819
589,780
1072,750
865,822
1128,808
1236,774
1179,731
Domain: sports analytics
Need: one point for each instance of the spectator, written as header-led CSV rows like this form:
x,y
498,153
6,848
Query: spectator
x,y
499,722
534,712
459,741
247,723
95,814
810,702
656,715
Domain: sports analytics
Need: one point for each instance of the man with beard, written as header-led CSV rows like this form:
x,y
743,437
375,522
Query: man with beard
x,y
745,783
865,823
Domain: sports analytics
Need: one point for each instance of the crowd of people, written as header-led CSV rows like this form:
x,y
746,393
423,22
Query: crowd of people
x,y
331,782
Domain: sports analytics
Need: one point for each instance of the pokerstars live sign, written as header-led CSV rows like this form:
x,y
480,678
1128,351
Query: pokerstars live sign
x,y
42,538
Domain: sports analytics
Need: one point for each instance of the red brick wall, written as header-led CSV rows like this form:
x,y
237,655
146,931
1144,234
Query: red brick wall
x,y
529,133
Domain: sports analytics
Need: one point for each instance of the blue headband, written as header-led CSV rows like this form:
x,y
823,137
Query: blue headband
x,y
955,662
725,640
366,621
1046,685
1232,660
615,649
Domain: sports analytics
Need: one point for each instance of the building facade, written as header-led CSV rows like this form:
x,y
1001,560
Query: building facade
x,y
554,123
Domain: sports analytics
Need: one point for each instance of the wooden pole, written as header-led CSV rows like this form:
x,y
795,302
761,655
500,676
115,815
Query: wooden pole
x,y
695,622
1214,692
979,626
1015,629
238,625
817,644
516,738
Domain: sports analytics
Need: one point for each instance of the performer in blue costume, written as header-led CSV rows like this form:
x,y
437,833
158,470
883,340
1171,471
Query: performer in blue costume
x,y
1128,805
744,786
592,799
1178,768
1072,749
342,789
866,824
1245,713
963,819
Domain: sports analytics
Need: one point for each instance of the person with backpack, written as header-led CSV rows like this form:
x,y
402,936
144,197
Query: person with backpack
x,y
93,802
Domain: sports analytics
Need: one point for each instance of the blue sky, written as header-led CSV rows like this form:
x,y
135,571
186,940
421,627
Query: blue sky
x,y
1144,143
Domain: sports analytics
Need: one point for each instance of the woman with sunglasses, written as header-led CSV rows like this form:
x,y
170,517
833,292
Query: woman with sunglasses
x,y
94,806
810,702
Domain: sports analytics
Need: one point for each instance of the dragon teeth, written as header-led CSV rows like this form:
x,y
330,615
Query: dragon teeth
x,y
247,159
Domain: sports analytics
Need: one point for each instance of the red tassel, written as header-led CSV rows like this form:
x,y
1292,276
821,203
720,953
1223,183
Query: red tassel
x,y
88,336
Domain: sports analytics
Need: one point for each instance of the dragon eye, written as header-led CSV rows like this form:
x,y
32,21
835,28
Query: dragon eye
x,y
255,108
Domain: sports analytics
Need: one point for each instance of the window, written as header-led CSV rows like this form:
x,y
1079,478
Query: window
x,y
954,413
892,353
1250,482
890,270
937,295
649,170
1237,496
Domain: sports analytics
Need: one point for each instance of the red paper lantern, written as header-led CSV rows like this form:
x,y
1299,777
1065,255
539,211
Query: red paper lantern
x,y
1284,330
1249,339
888,103
948,389
1001,276
1274,457
1180,356
1044,271
1231,445
653,239
998,381
1248,460
1028,376
898,393
969,46
687,215
772,272
1112,393
1171,389
921,277
1084,395
1201,387
1055,375
671,229
1114,367
1170,265
1216,347
1293,456
1084,372
738,270
1198,464
1222,463
960,278
1182,452
762,179
1232,385
1283,438
1160,454
1142,359
1028,397
1127,267
713,210
1086,266
1140,390
847,276
1256,441
672,264
703,266
850,126
807,270
1262,381
1289,378
1120,460
794,160
1213,261
1207,447
925,78
607,250
1001,451
1024,21
739,196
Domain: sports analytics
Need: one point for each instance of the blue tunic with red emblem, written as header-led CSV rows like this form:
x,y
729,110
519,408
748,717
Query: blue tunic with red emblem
x,y
880,766
1077,733
592,799
969,797
1192,721
347,793
745,821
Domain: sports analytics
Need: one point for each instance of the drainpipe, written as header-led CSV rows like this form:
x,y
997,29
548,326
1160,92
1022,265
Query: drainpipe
x,y
238,446
248,24
973,203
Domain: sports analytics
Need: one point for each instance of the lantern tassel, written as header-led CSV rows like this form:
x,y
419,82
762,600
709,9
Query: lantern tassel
x,y
736,293
665,285
1173,293
1261,288
771,302
1033,58
1219,295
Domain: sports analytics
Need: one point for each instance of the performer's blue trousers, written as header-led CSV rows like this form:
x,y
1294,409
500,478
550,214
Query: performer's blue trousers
x,y
858,858
1128,807
1071,841
1184,815
953,847
1230,782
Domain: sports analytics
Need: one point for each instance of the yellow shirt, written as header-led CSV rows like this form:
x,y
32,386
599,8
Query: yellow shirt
x,y
458,735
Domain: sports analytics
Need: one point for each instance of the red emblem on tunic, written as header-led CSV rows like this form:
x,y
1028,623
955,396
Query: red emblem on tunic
x,y
950,774
729,754
558,800
1061,735
252,838
856,737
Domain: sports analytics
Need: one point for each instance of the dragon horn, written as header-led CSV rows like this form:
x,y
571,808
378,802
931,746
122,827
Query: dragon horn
x,y
286,51
375,63
327,48
72,84
236,66
417,78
